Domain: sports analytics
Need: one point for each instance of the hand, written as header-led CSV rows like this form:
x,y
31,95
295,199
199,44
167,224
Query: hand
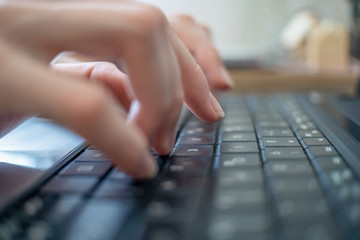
x,y
197,38
160,70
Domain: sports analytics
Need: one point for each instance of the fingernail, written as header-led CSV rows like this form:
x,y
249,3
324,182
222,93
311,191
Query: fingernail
x,y
147,168
226,76
216,106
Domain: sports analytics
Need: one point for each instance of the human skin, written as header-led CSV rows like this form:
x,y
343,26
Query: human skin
x,y
161,74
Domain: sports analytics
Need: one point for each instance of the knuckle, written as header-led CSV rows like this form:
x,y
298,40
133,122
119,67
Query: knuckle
x,y
149,20
184,17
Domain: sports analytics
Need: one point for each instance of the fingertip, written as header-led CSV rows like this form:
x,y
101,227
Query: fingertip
x,y
147,168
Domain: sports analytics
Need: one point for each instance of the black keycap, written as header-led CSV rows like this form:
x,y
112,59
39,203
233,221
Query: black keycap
x,y
234,119
274,153
80,185
86,169
305,126
310,133
183,165
319,151
317,141
193,150
91,155
164,204
237,200
230,161
240,178
269,117
197,139
164,230
238,128
238,137
98,219
119,176
288,187
207,129
271,132
331,163
177,183
349,193
353,212
60,207
340,177
280,142
239,147
117,190
272,124
292,168
241,226
292,209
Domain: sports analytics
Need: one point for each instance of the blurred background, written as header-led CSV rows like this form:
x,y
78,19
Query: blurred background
x,y
250,28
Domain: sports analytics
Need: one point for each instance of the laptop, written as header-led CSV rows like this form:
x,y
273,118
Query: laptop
x,y
278,166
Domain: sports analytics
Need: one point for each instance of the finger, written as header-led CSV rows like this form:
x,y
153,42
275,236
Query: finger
x,y
209,60
157,87
102,72
197,39
87,109
196,89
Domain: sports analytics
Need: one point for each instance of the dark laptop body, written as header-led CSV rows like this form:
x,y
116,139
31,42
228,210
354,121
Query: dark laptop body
x,y
53,186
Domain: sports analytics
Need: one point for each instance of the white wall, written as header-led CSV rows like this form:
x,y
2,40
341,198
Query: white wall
x,y
250,26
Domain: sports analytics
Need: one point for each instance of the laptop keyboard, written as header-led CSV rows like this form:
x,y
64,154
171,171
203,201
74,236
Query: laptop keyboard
x,y
265,171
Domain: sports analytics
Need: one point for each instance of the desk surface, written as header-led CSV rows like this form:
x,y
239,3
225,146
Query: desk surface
x,y
295,77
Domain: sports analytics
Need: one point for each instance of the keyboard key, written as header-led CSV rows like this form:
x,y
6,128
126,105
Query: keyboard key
x,y
239,147
231,119
274,153
305,126
310,133
239,199
80,185
206,129
98,219
183,165
294,188
331,163
280,142
272,124
340,177
319,141
294,209
86,169
117,190
271,132
319,151
240,226
230,161
238,128
90,155
198,139
292,168
238,137
349,193
240,178
193,150
119,176
177,183
166,230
